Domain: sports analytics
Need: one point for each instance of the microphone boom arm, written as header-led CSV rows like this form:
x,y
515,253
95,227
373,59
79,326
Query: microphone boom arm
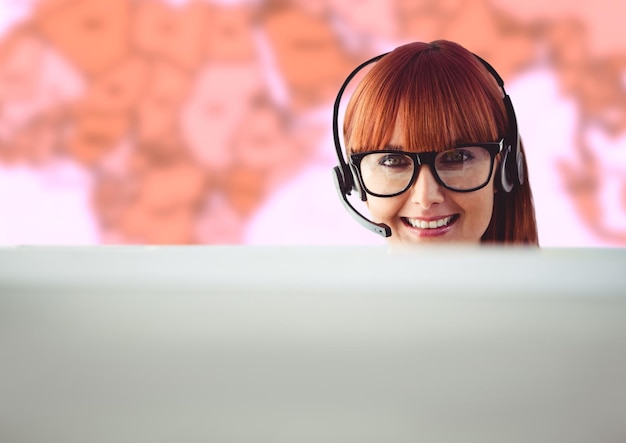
x,y
378,228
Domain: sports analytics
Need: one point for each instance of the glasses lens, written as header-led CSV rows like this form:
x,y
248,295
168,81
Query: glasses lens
x,y
464,168
386,173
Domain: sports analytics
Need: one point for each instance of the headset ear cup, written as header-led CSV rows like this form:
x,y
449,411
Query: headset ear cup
x,y
520,168
340,181
504,182
515,162
357,183
347,179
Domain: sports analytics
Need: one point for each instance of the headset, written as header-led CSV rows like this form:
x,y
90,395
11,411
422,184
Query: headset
x,y
510,172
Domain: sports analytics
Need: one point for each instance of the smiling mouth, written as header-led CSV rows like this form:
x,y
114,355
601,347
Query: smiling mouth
x,y
430,224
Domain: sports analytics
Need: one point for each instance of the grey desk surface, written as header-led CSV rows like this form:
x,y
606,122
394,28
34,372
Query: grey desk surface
x,y
309,344
269,269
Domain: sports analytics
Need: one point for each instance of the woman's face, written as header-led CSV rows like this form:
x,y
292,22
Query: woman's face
x,y
429,213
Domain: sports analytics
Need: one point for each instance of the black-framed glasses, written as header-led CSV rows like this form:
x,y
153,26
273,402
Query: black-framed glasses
x,y
464,168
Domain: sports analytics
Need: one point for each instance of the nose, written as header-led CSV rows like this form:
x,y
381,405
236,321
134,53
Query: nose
x,y
426,191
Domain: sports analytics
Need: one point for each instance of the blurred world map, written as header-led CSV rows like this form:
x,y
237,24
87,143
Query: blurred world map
x,y
209,122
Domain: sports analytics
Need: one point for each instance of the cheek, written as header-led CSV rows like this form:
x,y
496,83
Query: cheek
x,y
479,210
382,209
487,208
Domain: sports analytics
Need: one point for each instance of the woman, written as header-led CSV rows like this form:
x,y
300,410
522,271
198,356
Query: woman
x,y
433,149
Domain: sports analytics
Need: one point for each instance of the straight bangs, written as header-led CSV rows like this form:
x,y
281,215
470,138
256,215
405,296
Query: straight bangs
x,y
439,92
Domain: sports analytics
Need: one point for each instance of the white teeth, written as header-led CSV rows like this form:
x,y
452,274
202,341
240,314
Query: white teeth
x,y
423,224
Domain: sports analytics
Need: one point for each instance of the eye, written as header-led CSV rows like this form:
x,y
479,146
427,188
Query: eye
x,y
456,156
393,161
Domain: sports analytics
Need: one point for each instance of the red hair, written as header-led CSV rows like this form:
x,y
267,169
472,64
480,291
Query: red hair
x,y
443,95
